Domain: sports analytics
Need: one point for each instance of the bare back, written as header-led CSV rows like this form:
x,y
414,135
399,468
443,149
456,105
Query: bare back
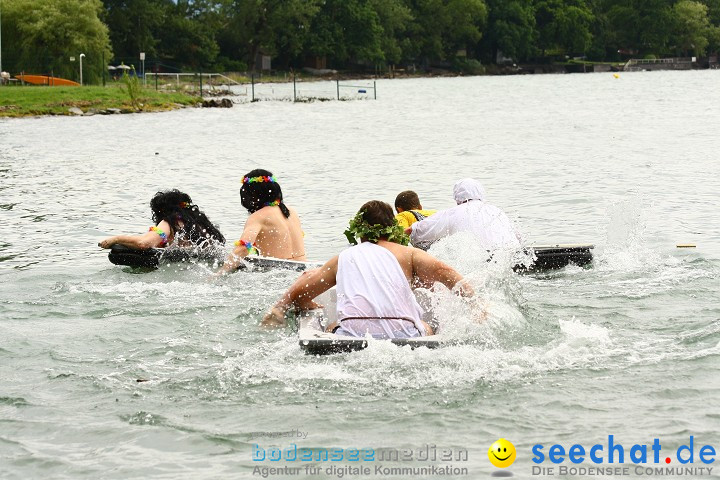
x,y
274,235
422,269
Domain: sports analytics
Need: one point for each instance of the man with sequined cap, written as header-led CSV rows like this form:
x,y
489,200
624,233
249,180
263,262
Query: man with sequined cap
x,y
273,229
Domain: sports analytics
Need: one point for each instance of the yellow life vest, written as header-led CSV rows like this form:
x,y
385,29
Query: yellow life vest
x,y
408,217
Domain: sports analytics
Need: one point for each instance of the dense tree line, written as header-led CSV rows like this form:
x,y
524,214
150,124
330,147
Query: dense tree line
x,y
228,35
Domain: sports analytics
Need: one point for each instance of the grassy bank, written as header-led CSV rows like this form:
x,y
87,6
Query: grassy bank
x,y
23,101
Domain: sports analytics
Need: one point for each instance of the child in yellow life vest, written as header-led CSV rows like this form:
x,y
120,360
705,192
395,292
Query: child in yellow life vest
x,y
409,209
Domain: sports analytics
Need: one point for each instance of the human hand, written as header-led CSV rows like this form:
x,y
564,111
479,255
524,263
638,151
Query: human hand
x,y
275,318
312,305
107,243
479,309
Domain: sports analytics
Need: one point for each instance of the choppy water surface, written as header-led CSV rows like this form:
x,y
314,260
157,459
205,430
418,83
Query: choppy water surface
x,y
628,348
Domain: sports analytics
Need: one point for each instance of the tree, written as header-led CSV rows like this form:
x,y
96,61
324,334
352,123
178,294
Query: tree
x,y
394,18
46,34
511,29
714,32
692,27
563,25
276,27
713,11
187,38
463,24
135,26
442,27
347,31
640,26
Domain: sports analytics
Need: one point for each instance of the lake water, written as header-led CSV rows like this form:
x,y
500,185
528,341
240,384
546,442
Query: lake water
x,y
628,348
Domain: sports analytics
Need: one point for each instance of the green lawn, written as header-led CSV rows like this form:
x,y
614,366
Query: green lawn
x,y
22,101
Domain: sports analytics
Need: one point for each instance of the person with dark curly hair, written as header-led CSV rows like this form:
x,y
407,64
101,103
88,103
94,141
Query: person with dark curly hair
x,y
178,221
272,229
374,281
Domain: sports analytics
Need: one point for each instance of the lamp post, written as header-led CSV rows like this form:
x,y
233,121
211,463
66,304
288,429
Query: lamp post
x,y
1,36
81,57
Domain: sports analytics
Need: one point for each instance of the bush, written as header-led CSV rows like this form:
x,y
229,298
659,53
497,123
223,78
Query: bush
x,y
132,88
224,64
468,66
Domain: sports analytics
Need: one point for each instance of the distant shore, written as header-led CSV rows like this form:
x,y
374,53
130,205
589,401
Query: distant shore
x,y
30,101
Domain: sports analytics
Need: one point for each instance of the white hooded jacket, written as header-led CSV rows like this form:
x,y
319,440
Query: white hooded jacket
x,y
492,228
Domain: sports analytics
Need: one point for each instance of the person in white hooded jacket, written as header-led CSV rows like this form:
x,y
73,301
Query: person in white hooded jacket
x,y
489,224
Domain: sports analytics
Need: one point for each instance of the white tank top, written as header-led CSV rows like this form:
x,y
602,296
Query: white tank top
x,y
374,296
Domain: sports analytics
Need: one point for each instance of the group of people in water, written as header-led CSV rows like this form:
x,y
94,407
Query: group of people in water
x,y
374,279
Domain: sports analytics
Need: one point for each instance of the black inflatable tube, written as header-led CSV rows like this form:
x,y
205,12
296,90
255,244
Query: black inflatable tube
x,y
555,257
153,257
551,257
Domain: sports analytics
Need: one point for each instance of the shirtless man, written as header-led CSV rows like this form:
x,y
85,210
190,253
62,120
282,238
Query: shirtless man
x,y
374,281
272,230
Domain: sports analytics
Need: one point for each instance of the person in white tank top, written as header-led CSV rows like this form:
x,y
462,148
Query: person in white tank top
x,y
371,285
373,282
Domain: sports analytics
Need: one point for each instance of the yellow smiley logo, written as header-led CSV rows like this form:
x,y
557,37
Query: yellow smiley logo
x,y
502,453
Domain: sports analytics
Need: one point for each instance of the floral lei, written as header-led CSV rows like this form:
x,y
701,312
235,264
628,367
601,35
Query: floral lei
x,y
260,179
359,228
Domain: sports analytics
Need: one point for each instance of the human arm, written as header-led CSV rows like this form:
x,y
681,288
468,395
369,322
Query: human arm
x,y
302,292
431,229
252,229
157,237
427,270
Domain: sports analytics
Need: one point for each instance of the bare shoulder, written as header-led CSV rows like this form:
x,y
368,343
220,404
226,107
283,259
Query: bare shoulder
x,y
420,255
403,253
259,216
426,263
164,225
293,213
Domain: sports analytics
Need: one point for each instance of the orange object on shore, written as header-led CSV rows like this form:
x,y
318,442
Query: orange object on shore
x,y
46,80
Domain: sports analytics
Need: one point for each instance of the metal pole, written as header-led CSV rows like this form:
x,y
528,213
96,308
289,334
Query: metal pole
x,y
338,88
200,83
156,75
81,57
375,89
1,36
252,80
294,89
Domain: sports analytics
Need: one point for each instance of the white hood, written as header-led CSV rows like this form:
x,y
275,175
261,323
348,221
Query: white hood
x,y
468,189
487,223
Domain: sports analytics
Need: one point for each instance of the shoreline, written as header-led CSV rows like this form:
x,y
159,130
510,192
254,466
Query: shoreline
x,y
42,101
25,101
